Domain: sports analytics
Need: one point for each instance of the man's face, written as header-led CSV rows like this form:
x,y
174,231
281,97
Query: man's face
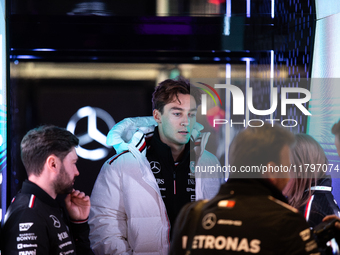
x,y
337,143
285,161
177,121
67,173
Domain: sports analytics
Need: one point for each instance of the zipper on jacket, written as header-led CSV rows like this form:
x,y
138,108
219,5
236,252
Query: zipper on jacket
x,y
175,182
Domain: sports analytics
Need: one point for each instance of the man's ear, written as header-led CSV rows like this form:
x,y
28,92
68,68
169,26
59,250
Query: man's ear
x,y
157,116
277,177
52,163
269,175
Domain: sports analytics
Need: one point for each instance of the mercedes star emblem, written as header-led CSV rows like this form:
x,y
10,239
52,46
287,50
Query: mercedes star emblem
x,y
209,221
93,134
155,167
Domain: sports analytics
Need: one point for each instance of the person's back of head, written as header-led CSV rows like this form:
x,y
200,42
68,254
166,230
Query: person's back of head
x,y
336,132
41,142
246,215
306,154
336,128
254,147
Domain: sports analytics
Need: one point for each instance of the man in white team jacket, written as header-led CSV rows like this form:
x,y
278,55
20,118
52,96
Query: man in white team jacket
x,y
140,191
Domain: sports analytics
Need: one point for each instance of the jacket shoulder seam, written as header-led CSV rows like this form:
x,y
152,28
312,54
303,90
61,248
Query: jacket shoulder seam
x,y
111,160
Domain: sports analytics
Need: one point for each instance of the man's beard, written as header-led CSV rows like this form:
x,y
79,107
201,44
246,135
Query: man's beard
x,y
63,184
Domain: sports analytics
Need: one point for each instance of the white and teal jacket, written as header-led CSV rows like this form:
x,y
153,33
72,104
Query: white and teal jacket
x,y
128,215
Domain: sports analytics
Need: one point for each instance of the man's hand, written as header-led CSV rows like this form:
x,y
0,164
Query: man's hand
x,y
78,205
330,217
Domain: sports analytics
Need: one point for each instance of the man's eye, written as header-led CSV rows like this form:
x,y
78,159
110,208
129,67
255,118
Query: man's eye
x,y
177,114
191,115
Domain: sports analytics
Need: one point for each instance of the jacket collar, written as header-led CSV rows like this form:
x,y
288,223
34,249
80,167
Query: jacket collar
x,y
252,187
322,185
163,149
29,187
325,181
130,131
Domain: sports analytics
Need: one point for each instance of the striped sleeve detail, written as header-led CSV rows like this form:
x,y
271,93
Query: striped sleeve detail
x,y
148,136
31,203
117,156
141,144
308,207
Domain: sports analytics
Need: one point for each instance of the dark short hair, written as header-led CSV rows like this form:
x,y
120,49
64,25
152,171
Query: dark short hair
x,y
256,146
39,143
167,90
336,128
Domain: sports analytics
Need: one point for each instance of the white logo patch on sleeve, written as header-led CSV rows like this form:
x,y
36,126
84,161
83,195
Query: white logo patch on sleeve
x,y
25,226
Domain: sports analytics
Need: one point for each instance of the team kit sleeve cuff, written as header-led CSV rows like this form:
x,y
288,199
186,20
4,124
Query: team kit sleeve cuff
x,y
80,221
